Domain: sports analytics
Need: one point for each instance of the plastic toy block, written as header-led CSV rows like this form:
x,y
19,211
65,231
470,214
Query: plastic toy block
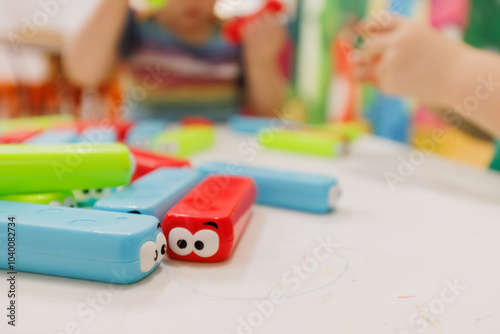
x,y
291,190
208,222
305,142
28,169
119,127
197,121
85,244
55,199
17,137
233,29
59,136
153,194
146,162
31,123
184,141
144,132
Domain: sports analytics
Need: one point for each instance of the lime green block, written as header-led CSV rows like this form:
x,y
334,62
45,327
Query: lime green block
x,y
29,169
55,199
39,122
303,142
348,131
184,141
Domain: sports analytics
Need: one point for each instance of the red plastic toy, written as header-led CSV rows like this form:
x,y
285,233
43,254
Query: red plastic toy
x,y
146,162
208,222
233,29
120,126
197,121
17,137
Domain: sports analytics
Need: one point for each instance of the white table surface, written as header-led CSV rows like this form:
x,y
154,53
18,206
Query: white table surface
x,y
394,254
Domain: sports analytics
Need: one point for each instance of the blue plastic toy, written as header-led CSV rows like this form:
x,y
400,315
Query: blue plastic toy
x,y
291,190
93,245
142,134
62,136
153,194
253,125
97,135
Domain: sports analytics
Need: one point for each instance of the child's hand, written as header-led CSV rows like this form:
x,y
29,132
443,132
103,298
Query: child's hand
x,y
408,58
263,40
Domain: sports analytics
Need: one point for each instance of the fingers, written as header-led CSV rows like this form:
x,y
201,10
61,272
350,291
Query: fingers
x,y
378,24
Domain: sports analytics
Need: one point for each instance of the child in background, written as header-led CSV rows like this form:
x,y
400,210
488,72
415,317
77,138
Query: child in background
x,y
403,57
179,62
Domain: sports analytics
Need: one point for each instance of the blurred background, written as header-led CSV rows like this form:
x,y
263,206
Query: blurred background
x,y
32,82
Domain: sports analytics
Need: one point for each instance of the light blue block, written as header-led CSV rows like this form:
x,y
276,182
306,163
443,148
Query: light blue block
x,y
253,125
63,136
153,194
290,190
144,132
85,244
98,135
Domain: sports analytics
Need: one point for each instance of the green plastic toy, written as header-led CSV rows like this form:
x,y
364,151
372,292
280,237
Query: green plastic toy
x,y
184,141
304,142
54,199
29,169
39,122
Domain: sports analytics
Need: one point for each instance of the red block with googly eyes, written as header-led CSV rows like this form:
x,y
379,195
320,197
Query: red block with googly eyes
x,y
208,222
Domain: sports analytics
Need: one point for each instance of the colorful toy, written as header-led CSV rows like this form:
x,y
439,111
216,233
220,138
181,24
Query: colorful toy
x,y
146,162
184,141
39,122
59,136
77,243
153,194
312,73
305,142
54,199
143,133
17,137
60,168
233,29
206,224
290,190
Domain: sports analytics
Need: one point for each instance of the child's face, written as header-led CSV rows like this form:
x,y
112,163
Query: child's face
x,y
191,12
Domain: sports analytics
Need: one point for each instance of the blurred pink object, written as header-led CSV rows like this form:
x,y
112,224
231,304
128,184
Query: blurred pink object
x,y
449,12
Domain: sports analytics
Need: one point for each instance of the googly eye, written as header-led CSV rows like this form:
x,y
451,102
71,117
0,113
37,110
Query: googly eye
x,y
100,193
161,246
81,196
55,203
69,202
180,241
148,256
206,243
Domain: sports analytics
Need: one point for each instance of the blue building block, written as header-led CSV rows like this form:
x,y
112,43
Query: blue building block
x,y
290,190
85,244
61,136
144,132
153,194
